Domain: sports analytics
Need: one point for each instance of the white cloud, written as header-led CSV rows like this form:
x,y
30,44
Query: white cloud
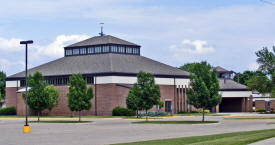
x,y
253,66
192,47
6,64
12,44
56,48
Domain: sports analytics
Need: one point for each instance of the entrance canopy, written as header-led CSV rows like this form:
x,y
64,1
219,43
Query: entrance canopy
x,y
23,90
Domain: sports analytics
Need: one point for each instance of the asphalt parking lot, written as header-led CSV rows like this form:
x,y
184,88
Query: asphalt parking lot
x,y
117,131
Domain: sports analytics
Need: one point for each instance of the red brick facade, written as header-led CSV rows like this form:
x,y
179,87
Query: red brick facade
x,y
107,97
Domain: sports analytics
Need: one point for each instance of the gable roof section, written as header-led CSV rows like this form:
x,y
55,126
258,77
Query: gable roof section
x,y
100,40
229,84
104,63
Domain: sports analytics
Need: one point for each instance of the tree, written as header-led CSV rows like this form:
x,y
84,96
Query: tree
x,y
148,91
144,94
2,85
160,104
205,87
79,97
133,100
242,78
38,99
264,84
266,60
53,95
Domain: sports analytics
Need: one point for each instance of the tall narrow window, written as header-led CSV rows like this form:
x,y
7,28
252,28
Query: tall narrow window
x,y
82,51
105,48
97,49
91,50
68,52
114,48
75,51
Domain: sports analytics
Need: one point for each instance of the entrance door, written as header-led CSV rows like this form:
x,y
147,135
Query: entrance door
x,y
168,106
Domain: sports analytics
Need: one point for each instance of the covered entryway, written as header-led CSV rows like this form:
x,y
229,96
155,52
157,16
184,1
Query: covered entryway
x,y
231,105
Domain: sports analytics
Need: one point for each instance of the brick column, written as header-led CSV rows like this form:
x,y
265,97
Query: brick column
x,y
251,103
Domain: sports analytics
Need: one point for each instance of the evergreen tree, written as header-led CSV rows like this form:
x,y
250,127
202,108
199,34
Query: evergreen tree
x,y
2,85
79,97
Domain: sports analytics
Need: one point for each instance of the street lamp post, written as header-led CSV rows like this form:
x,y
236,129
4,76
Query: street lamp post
x,y
26,128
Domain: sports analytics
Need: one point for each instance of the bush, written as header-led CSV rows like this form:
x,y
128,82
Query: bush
x,y
205,111
120,111
195,111
8,111
153,114
260,110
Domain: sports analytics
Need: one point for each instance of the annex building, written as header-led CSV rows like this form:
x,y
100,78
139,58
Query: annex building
x,y
110,65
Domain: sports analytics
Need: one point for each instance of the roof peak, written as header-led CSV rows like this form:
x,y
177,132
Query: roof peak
x,y
102,40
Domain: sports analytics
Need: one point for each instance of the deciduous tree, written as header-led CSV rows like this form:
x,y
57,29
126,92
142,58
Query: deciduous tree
x,y
79,97
205,87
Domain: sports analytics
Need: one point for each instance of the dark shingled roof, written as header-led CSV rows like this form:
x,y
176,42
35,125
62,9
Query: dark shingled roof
x,y
103,63
229,84
100,40
221,69
224,85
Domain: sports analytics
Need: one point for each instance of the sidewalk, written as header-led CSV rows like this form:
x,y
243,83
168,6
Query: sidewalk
x,y
270,141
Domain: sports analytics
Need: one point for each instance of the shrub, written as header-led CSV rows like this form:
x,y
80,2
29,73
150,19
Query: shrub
x,y
8,111
120,111
153,114
195,111
260,110
205,111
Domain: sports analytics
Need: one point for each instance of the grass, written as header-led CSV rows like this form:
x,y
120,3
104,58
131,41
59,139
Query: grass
x,y
236,138
174,122
14,116
199,114
59,121
244,118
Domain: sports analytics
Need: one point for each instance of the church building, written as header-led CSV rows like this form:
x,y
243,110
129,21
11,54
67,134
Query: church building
x,y
110,65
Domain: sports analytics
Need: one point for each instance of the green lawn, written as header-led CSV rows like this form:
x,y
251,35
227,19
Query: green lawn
x,y
59,121
199,114
14,116
236,138
174,122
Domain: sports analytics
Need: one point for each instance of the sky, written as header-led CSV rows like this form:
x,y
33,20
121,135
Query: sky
x,y
225,33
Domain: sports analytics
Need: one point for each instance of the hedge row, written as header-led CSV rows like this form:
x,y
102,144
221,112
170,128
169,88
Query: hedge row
x,y
120,111
8,111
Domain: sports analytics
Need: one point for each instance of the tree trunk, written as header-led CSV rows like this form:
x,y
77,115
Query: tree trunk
x,y
146,115
137,113
38,114
71,114
79,116
202,114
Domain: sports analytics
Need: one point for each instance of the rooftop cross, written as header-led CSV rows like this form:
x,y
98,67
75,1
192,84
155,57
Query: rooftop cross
x,y
101,33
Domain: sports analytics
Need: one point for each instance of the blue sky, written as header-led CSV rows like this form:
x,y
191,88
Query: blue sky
x,y
223,32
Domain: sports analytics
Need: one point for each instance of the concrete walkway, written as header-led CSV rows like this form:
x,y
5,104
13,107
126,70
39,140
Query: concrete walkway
x,y
270,141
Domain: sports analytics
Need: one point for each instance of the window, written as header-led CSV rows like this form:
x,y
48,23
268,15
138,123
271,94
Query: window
x,y
68,52
82,51
128,50
113,48
91,50
97,49
22,83
168,106
121,49
75,51
105,49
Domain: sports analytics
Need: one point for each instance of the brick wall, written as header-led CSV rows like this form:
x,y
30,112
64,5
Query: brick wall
x,y
260,104
108,97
